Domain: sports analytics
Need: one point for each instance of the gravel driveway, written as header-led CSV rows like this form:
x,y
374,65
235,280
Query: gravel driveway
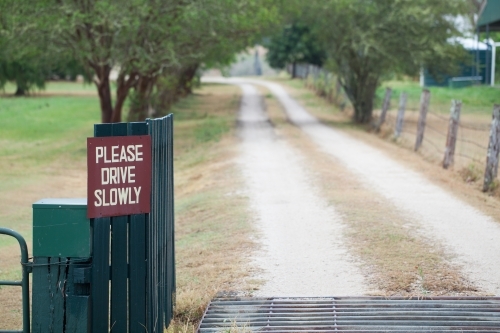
x,y
295,221
302,245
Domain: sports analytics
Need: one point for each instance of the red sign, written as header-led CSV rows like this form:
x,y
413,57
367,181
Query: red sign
x,y
119,175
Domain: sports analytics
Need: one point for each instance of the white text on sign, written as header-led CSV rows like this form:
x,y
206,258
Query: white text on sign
x,y
118,175
130,153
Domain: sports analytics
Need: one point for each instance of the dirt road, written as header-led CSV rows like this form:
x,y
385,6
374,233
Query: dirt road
x,y
301,236
278,183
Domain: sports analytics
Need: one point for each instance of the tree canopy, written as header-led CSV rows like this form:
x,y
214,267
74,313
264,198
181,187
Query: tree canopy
x,y
155,46
366,41
294,44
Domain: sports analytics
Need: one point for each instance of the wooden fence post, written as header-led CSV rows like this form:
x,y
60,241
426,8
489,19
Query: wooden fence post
x,y
493,149
385,107
451,138
327,83
424,107
401,114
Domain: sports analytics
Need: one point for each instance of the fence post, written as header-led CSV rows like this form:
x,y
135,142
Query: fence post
x,y
424,107
493,149
327,83
385,107
401,115
451,138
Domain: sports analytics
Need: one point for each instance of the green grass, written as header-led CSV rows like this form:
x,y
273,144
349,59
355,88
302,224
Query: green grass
x,y
59,87
475,99
37,133
200,124
36,130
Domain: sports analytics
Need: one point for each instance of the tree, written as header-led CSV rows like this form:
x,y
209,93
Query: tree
x,y
132,37
23,59
366,41
26,72
295,44
212,32
143,40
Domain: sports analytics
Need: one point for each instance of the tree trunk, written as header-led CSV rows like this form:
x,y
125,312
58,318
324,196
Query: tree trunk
x,y
362,97
185,85
140,105
122,91
104,91
20,91
174,85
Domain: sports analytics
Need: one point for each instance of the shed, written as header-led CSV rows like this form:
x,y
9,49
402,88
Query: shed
x,y
489,16
489,20
477,73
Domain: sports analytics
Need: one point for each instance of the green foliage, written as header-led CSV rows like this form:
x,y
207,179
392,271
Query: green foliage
x,y
27,73
367,41
22,58
26,55
295,44
145,40
210,33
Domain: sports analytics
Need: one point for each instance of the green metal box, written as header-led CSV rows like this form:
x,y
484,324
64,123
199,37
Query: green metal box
x,y
61,228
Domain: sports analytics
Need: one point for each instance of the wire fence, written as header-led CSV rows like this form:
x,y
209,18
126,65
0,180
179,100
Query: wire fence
x,y
472,139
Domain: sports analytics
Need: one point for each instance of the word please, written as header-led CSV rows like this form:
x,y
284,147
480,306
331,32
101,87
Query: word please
x,y
130,153
117,196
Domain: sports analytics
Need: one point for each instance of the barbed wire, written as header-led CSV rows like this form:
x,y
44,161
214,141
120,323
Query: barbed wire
x,y
473,143
439,116
408,132
485,128
433,145
391,122
435,130
412,109
469,157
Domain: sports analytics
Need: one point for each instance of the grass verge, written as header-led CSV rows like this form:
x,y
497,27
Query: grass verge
x,y
212,229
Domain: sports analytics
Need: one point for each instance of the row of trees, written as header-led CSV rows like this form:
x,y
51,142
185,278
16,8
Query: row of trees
x,y
156,46
364,42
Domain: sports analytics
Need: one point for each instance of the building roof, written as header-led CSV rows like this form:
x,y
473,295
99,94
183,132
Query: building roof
x,y
489,16
469,43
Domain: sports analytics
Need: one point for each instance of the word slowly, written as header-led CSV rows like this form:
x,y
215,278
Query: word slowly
x,y
117,196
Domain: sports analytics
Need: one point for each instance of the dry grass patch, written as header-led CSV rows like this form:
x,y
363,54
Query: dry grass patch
x,y
396,259
212,227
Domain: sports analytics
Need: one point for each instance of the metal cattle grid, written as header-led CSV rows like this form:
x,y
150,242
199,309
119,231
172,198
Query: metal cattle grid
x,y
352,314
